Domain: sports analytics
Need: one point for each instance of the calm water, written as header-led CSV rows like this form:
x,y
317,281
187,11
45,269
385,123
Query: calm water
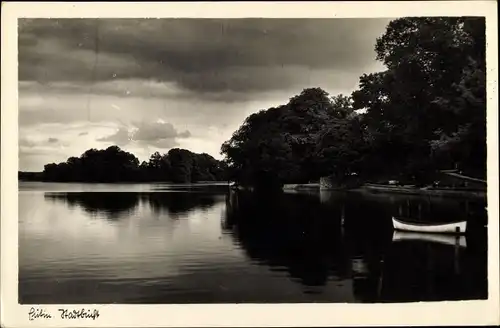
x,y
171,244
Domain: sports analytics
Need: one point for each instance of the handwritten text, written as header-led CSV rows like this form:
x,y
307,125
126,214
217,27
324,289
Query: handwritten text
x,y
79,314
38,314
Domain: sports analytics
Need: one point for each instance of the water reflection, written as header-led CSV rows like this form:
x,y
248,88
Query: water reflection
x,y
433,268
425,208
113,206
294,235
121,247
211,246
336,236
444,239
121,205
179,204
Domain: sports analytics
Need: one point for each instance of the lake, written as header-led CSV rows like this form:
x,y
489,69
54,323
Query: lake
x,y
161,243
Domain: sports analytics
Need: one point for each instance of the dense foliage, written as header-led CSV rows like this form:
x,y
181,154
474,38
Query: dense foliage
x,y
428,109
294,142
426,112
115,165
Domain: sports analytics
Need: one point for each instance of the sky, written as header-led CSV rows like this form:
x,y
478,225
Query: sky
x,y
150,85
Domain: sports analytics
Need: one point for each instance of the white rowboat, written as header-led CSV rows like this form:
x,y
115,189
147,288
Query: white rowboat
x,y
453,228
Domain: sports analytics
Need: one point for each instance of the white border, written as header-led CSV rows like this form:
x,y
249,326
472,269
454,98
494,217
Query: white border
x,y
442,313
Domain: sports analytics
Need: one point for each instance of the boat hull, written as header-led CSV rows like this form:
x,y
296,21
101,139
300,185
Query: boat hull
x,y
448,228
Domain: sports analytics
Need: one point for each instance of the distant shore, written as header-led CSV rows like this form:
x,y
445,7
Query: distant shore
x,y
218,183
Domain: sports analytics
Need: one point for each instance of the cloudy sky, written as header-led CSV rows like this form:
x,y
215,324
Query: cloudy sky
x,y
149,85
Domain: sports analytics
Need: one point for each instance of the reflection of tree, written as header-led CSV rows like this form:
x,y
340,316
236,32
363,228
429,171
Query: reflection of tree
x,y
304,235
422,208
367,237
113,205
426,271
118,205
427,209
179,203
288,231
410,270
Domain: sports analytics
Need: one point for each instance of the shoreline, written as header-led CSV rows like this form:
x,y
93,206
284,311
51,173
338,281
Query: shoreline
x,y
422,191
315,187
373,188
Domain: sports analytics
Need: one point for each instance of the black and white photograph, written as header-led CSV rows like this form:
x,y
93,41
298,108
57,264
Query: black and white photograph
x,y
251,160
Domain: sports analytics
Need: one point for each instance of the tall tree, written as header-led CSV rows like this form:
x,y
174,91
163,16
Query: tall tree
x,y
181,161
431,99
280,145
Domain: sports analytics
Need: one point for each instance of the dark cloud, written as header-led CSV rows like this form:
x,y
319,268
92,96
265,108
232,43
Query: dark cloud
x,y
156,131
29,143
130,88
205,55
120,137
158,134
83,134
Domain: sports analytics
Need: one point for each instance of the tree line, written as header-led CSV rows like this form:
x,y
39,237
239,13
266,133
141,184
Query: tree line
x,y
425,112
116,165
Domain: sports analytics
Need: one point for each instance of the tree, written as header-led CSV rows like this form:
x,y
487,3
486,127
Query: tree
x,y
427,110
465,143
158,167
181,161
115,165
280,145
340,149
341,107
205,168
112,164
